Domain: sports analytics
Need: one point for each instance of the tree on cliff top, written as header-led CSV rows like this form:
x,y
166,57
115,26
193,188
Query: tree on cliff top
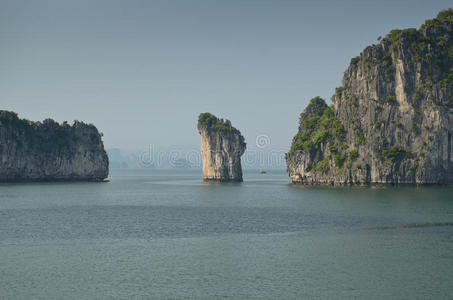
x,y
213,123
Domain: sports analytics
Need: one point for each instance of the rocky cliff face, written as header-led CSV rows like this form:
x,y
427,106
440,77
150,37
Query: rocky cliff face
x,y
222,146
391,121
35,151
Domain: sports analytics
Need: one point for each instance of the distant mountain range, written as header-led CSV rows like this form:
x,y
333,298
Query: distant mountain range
x,y
187,157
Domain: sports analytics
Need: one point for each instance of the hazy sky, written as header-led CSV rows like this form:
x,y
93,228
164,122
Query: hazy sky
x,y
142,71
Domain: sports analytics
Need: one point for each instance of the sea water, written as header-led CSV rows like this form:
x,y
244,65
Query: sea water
x,y
156,234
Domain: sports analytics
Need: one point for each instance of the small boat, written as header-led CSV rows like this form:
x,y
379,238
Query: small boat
x,y
263,172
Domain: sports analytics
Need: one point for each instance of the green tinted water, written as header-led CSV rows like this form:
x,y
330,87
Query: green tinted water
x,y
165,235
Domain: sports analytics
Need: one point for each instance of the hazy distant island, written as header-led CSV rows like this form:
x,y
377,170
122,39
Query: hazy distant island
x,y
49,151
222,146
391,121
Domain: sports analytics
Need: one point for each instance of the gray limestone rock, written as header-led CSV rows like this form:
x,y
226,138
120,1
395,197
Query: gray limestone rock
x,y
222,146
391,121
48,151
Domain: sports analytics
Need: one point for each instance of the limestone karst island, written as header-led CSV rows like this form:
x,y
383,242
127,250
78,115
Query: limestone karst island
x,y
333,179
222,146
391,121
48,151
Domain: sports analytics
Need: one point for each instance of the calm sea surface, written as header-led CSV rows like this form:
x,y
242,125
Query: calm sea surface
x,y
165,235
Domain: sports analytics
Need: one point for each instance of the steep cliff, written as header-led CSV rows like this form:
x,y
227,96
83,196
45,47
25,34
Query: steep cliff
x,y
222,146
35,151
391,121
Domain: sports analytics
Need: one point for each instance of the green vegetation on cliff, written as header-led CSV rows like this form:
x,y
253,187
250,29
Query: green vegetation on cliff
x,y
431,47
213,123
48,133
318,124
11,118
396,154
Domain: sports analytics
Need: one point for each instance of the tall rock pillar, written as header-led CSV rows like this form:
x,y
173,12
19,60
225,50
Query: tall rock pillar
x,y
222,146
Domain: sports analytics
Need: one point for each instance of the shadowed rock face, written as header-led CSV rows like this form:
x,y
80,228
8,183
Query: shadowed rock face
x,y
48,151
222,146
391,120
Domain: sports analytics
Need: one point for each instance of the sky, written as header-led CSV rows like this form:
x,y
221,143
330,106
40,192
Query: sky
x,y
142,71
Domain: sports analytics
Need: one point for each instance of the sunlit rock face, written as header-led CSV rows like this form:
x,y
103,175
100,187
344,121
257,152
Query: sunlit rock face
x,y
391,121
48,151
222,146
